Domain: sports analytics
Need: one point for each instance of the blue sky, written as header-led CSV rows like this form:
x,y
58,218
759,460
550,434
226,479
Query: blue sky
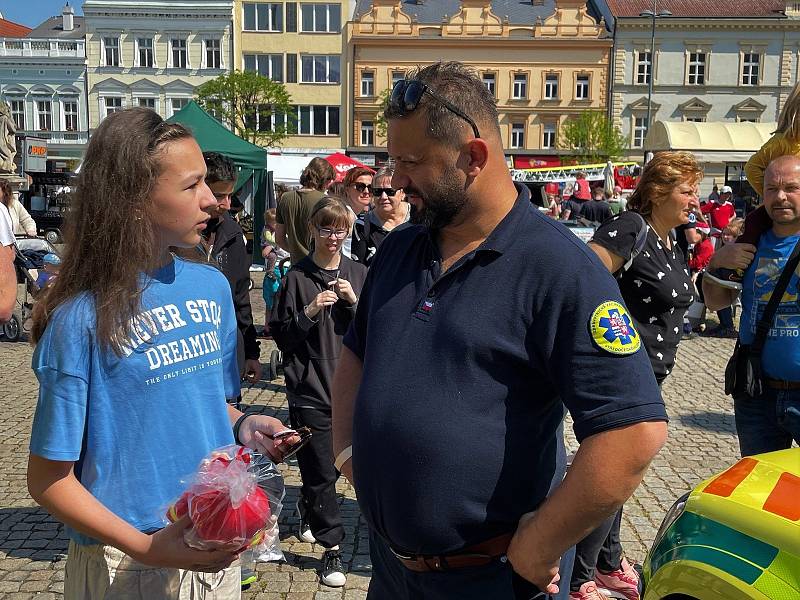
x,y
33,12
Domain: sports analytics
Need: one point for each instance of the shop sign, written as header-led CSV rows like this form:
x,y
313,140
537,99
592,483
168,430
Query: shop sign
x,y
35,155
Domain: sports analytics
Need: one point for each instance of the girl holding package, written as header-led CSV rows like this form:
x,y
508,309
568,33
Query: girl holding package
x,y
135,368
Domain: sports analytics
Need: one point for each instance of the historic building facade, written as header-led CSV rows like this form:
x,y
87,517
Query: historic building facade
x,y
544,61
300,45
153,53
43,80
713,61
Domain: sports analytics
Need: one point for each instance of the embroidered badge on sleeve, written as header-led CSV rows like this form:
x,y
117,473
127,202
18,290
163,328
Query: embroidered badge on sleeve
x,y
612,329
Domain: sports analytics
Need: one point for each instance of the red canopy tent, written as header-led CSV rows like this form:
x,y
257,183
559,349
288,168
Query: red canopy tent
x,y
342,164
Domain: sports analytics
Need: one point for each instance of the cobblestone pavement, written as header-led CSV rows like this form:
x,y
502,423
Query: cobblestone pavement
x,y
32,545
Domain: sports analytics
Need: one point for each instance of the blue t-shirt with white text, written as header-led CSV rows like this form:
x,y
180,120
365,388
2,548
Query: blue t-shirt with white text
x,y
137,425
781,356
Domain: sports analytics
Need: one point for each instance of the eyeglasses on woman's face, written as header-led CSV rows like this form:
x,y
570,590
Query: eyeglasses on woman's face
x,y
327,232
379,191
362,187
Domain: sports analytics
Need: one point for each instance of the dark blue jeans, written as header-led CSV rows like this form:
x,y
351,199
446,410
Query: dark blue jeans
x,y
726,317
769,422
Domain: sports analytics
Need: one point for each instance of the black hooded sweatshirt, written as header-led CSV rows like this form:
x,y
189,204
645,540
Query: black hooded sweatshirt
x,y
229,254
311,349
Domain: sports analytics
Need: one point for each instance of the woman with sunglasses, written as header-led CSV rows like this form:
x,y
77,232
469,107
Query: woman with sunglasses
x,y
357,198
390,211
315,306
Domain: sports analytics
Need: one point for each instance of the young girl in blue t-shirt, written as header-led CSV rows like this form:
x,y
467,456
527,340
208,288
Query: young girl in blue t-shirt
x,y
136,356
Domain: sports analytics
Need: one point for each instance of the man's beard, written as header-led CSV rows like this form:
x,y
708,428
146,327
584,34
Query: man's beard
x,y
441,204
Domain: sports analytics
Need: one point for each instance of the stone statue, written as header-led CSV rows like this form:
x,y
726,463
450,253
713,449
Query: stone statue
x,y
8,145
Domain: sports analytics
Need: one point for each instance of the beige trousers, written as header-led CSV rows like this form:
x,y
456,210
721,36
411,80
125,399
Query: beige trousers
x,y
105,573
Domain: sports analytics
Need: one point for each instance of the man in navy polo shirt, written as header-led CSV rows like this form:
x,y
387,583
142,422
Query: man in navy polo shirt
x,y
472,329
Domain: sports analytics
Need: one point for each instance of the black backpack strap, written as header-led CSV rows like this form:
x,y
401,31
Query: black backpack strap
x,y
639,242
765,323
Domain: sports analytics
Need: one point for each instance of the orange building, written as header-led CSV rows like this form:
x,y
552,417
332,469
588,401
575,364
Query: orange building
x,y
544,60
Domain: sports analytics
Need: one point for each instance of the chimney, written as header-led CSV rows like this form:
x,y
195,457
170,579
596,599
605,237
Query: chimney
x,y
68,16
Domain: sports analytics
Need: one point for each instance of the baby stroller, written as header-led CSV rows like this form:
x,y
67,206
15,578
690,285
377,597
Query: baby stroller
x,y
276,356
29,260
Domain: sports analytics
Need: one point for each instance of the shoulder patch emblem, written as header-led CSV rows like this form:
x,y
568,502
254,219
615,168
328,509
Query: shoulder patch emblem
x,y
612,329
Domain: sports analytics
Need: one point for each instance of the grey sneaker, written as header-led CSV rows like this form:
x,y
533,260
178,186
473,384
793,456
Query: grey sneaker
x,y
332,569
304,531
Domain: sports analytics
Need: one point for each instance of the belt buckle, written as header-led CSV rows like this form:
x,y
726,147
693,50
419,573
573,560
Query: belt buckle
x,y
402,556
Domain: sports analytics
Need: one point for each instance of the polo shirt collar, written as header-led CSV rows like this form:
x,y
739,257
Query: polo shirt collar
x,y
504,234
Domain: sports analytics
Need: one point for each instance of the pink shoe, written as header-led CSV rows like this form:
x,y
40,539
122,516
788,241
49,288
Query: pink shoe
x,y
588,591
622,583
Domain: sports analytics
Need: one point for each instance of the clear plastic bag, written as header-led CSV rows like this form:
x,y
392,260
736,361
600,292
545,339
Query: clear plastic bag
x,y
226,502
271,481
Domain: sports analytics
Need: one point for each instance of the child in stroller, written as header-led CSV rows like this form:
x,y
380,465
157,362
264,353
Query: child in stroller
x,y
36,262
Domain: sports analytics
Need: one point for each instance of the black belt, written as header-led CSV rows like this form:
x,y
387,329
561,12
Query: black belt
x,y
476,555
780,384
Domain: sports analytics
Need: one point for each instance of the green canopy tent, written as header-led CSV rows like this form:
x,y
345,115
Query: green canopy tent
x,y
251,160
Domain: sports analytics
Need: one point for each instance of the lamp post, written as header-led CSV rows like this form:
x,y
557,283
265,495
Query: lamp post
x,y
653,15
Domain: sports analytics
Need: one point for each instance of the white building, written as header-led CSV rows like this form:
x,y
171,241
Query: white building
x,y
720,61
153,53
43,79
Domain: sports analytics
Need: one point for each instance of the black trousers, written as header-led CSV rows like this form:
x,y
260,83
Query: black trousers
x,y
600,549
318,501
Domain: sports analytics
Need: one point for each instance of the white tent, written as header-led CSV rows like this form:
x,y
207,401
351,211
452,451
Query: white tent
x,y
286,168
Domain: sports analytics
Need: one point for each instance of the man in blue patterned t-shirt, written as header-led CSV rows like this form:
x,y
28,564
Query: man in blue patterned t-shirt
x,y
770,421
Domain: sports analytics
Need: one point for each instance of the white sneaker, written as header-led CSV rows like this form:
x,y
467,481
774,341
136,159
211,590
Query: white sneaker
x,y
332,569
304,531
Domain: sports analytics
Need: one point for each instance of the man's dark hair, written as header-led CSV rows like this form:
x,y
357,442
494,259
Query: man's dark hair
x,y
317,175
460,86
219,167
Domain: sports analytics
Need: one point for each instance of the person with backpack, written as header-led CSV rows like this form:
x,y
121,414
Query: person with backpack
x,y
639,247
764,374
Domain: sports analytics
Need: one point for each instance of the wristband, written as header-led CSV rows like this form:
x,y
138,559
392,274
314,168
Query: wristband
x,y
236,427
343,457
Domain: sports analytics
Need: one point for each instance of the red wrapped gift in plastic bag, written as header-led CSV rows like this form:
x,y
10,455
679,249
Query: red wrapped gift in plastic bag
x,y
225,503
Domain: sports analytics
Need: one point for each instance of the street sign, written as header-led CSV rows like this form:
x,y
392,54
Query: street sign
x,y
35,155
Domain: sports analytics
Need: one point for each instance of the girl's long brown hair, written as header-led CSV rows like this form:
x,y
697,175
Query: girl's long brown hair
x,y
110,238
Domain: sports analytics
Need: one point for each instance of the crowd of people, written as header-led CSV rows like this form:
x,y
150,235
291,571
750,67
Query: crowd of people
x,y
436,328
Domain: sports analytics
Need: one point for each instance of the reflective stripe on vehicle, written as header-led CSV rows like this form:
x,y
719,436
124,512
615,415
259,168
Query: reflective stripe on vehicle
x,y
734,552
726,482
784,499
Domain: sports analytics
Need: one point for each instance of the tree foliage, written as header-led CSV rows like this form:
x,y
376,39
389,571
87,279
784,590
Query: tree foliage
x,y
592,137
380,120
243,100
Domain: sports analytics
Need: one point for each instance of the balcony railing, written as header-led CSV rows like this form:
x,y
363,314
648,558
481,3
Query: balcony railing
x,y
58,137
42,48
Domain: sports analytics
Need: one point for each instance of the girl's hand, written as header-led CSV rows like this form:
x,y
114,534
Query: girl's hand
x,y
344,290
167,548
322,300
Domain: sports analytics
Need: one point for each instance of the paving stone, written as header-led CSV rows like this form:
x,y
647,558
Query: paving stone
x,y
702,441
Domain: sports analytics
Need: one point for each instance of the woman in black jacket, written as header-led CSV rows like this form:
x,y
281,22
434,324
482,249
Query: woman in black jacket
x,y
315,306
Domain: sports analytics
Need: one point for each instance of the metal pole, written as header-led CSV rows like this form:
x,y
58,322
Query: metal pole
x,y
651,74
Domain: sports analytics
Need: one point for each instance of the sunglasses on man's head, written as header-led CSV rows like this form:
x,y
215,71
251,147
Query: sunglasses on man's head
x,y
362,187
407,94
378,192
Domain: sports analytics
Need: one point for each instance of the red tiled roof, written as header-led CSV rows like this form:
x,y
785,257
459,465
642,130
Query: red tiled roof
x,y
700,9
11,29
